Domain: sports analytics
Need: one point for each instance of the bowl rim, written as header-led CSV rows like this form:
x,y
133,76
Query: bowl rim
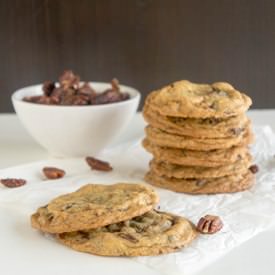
x,y
134,95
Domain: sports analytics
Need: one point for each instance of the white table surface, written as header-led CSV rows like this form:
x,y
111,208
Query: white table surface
x,y
253,257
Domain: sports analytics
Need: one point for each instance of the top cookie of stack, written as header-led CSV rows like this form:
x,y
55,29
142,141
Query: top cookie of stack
x,y
199,136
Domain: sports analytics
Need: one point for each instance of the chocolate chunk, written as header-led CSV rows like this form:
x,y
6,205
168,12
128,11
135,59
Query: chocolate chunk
x,y
254,168
128,237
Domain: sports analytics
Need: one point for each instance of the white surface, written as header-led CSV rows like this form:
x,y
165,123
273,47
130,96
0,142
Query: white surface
x,y
75,130
244,214
243,260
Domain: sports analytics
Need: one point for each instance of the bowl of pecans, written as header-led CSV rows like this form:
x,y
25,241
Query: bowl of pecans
x,y
71,118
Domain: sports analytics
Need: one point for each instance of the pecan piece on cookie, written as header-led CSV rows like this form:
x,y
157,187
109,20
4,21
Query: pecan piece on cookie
x,y
53,173
209,224
97,164
12,183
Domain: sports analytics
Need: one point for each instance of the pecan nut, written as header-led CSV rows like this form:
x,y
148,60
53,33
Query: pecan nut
x,y
69,80
209,224
48,87
97,164
12,182
71,92
53,173
115,84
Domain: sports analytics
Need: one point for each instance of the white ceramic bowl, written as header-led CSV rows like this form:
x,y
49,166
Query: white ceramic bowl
x,y
75,131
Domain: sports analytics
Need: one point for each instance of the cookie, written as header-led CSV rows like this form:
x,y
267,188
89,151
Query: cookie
x,y
164,139
197,127
213,158
162,168
187,99
94,205
152,233
228,184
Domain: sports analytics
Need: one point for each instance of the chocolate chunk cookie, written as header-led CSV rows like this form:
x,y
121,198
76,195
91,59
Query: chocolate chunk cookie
x,y
187,99
164,139
162,168
213,158
94,205
228,184
197,127
152,233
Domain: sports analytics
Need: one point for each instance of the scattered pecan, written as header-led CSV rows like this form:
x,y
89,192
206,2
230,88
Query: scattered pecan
x,y
209,224
12,183
53,173
254,168
97,164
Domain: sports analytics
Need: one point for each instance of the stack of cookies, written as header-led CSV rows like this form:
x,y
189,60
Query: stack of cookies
x,y
198,135
113,220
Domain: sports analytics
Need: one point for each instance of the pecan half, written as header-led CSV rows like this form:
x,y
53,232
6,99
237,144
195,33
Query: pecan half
x,y
69,91
115,84
12,182
109,96
97,164
209,224
86,89
254,168
48,87
81,100
53,173
69,80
